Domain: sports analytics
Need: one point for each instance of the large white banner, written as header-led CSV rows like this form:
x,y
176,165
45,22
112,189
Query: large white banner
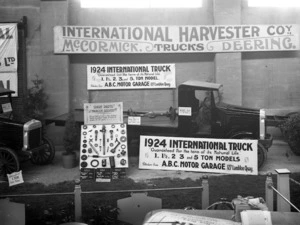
x,y
8,47
230,156
136,76
175,39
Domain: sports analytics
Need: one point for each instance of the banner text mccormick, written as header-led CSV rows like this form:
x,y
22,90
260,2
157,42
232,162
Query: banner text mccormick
x,y
172,39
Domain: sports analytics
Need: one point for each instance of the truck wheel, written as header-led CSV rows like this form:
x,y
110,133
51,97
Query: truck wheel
x,y
9,161
291,131
261,155
261,151
46,155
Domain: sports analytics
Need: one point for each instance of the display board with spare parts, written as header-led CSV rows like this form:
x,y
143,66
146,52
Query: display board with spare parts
x,y
103,152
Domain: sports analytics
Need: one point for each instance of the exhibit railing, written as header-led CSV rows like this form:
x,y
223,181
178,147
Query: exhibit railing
x,y
78,194
283,191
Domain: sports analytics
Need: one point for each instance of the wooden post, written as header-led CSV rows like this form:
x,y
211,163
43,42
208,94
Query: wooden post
x,y
269,192
283,187
77,196
205,192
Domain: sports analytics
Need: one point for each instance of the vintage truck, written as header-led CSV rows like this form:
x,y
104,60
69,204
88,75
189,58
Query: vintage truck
x,y
20,138
200,113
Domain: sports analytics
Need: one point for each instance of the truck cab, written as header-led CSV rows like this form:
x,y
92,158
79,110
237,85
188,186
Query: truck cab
x,y
201,113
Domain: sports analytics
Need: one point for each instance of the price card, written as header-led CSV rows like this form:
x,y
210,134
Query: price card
x,y
103,175
6,107
15,178
184,111
134,120
118,173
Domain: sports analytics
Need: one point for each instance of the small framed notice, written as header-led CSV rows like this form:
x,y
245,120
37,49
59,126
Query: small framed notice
x,y
184,111
103,113
15,178
134,120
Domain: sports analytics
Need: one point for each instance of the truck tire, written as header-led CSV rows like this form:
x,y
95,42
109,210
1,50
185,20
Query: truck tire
x,y
261,150
261,155
9,161
46,155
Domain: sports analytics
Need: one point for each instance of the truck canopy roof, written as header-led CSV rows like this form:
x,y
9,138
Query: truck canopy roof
x,y
201,85
4,91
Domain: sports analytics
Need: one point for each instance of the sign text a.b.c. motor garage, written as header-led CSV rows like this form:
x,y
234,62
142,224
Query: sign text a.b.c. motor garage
x,y
175,39
231,156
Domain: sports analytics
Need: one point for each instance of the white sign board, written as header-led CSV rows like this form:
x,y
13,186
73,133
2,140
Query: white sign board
x,y
136,76
256,217
15,178
230,156
6,107
175,39
103,113
184,111
134,120
8,47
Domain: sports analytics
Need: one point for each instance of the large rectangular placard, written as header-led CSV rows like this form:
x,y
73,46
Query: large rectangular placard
x,y
103,113
136,76
8,47
175,39
230,156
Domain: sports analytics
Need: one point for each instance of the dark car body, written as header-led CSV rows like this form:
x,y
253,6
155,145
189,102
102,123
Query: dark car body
x,y
20,138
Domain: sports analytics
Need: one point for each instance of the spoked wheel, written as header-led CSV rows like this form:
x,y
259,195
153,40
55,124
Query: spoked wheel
x,y
223,204
9,161
261,155
45,155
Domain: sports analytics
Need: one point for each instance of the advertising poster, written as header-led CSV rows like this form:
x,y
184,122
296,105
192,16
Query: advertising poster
x,y
103,113
8,47
136,76
103,151
230,156
175,39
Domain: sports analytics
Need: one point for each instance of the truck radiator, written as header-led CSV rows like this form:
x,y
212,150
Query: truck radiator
x,y
34,138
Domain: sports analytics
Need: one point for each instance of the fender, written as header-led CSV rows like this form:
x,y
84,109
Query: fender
x,y
241,135
249,135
